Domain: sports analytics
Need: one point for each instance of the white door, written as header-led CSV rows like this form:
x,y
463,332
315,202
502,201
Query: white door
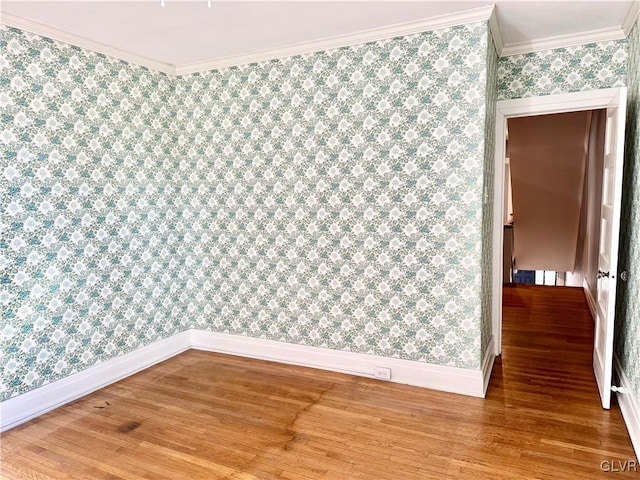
x,y
608,258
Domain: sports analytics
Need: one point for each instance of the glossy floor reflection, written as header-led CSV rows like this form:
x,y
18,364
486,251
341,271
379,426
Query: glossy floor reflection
x,y
209,416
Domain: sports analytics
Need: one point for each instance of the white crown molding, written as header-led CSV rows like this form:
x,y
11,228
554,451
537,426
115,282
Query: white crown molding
x,y
77,41
400,29
485,13
496,32
631,18
562,41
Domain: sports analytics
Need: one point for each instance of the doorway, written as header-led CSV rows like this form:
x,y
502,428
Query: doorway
x,y
553,179
614,101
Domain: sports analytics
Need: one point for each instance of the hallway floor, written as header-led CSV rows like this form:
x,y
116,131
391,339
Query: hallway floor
x,y
546,368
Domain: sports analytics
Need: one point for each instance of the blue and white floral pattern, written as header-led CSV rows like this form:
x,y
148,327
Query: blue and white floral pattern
x,y
330,199
339,194
563,70
90,236
487,207
627,328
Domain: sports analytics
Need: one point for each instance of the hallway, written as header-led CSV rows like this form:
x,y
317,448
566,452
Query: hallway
x,y
548,342
545,378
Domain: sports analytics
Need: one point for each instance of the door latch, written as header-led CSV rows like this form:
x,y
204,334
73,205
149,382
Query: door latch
x,y
624,276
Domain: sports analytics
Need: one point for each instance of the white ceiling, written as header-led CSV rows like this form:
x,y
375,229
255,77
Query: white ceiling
x,y
187,33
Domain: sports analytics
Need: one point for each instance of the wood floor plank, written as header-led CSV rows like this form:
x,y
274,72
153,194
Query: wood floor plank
x,y
208,416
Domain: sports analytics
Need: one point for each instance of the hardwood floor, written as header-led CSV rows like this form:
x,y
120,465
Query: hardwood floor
x,y
208,416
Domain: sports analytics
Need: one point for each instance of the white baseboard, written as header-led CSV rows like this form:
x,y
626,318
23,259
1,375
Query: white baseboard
x,y
438,377
22,408
487,366
629,406
590,299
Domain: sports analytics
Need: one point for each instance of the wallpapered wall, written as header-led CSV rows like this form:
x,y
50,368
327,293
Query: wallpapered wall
x,y
487,207
628,299
563,70
90,232
340,193
330,199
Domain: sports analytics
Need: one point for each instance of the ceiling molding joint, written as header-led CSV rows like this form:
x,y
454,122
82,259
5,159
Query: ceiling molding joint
x,y
631,18
496,32
564,41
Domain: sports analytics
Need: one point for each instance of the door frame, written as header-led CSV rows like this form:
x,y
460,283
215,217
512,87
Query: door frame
x,y
526,107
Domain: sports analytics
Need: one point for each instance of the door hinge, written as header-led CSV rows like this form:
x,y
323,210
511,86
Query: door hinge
x,y
617,389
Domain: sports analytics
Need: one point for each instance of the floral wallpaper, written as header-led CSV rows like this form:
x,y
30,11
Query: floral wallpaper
x,y
90,236
627,329
330,199
563,70
487,206
338,196
333,199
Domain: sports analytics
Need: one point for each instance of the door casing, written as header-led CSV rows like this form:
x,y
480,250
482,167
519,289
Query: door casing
x,y
523,107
